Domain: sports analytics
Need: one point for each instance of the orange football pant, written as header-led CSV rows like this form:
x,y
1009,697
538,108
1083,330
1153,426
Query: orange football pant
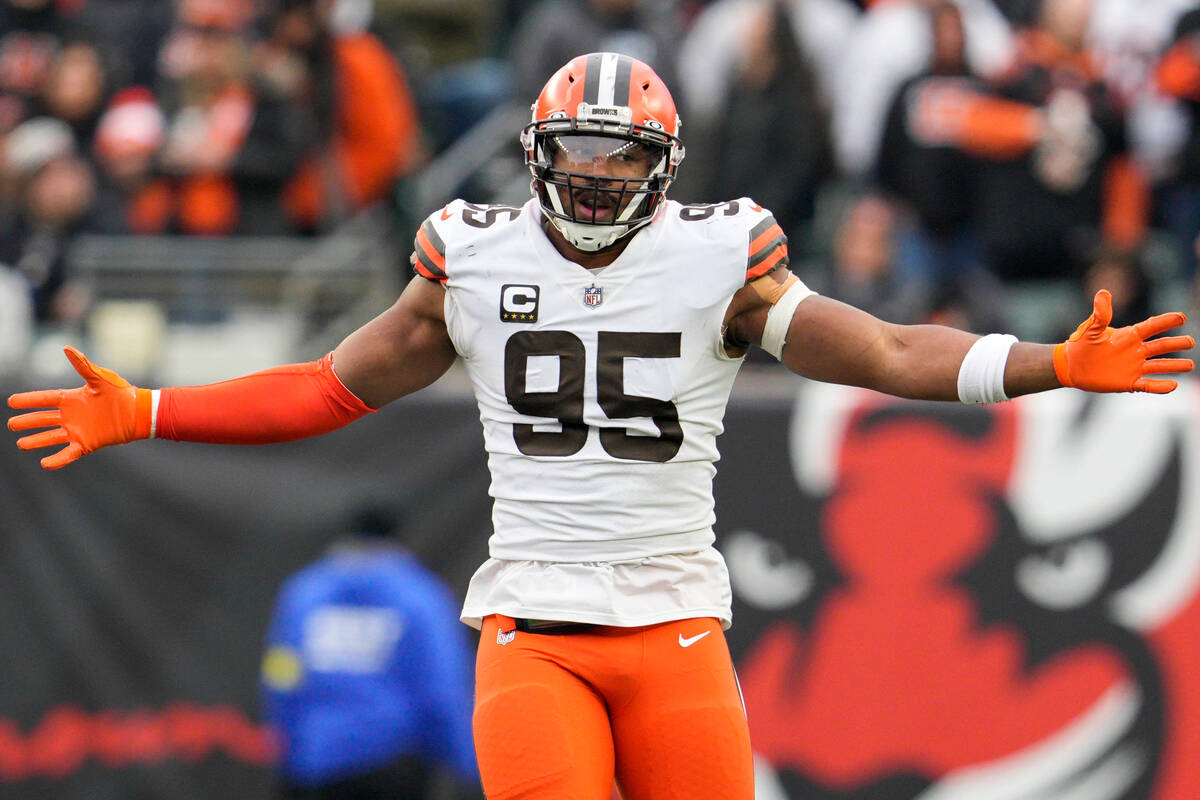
x,y
558,716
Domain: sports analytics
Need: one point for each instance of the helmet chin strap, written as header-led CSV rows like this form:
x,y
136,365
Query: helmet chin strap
x,y
589,238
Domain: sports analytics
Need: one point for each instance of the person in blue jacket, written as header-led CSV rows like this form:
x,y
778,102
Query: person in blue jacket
x,y
367,675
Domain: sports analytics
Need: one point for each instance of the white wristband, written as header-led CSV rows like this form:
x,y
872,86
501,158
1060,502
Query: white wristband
x,y
779,317
981,375
154,397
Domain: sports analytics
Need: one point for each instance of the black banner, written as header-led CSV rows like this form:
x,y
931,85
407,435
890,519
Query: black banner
x,y
931,601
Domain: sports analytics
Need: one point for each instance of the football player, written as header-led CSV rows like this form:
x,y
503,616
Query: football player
x,y
602,326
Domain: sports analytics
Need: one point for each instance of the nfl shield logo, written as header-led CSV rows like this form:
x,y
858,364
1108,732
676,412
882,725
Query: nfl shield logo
x,y
593,296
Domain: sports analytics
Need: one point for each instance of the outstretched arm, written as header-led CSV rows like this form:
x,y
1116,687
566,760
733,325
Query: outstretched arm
x,y
830,341
402,350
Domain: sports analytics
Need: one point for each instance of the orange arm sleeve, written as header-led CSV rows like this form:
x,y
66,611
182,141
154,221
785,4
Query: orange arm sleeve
x,y
1126,203
1178,74
275,405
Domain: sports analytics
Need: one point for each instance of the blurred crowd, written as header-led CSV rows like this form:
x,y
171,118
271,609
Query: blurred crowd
x,y
922,155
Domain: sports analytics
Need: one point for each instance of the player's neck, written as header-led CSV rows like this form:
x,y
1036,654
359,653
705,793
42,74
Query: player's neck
x,y
588,260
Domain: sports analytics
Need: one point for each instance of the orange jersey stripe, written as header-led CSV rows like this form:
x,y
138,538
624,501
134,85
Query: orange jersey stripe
x,y
427,270
423,244
764,238
778,258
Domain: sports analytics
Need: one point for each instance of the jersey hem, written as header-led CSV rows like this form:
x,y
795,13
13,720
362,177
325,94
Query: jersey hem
x,y
474,617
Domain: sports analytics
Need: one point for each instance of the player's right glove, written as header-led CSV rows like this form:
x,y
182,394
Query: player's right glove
x,y
106,410
1097,358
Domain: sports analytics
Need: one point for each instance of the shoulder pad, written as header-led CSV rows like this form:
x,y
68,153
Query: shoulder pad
x,y
456,220
428,258
767,248
766,243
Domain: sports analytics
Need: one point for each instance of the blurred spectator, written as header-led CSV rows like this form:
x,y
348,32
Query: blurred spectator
x,y
1178,75
552,32
938,125
452,49
75,90
131,196
925,166
862,270
31,34
367,675
368,135
767,136
711,51
1041,212
129,34
891,43
1127,38
231,142
49,191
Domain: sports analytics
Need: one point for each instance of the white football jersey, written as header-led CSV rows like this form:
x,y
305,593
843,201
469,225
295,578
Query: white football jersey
x,y
601,392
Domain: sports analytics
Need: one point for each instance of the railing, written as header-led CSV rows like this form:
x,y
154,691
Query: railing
x,y
163,305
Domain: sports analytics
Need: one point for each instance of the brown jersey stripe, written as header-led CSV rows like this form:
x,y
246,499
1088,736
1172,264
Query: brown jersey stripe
x,y
766,249
426,250
776,258
764,225
439,247
426,268
770,238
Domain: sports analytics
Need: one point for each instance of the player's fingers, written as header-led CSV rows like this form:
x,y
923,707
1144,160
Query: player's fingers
x,y
44,439
46,398
1155,386
1169,344
1159,323
1101,311
62,457
35,419
1160,366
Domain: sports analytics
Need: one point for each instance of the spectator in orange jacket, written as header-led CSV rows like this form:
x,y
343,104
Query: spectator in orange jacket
x,y
369,137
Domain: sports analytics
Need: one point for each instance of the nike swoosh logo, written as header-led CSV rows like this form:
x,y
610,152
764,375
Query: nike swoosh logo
x,y
446,214
689,642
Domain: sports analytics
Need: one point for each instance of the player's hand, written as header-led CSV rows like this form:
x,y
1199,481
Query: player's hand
x,y
1098,358
106,410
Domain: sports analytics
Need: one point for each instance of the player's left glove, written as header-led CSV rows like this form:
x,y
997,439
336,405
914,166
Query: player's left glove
x,y
1098,358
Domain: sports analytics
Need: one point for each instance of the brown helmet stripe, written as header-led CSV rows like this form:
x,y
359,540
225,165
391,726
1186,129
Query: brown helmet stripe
x,y
591,79
621,86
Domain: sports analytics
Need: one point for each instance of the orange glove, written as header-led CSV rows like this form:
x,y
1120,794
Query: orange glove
x,y
1098,358
106,410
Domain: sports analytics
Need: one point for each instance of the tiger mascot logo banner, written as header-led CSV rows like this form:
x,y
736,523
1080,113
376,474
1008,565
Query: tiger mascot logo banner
x,y
965,603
